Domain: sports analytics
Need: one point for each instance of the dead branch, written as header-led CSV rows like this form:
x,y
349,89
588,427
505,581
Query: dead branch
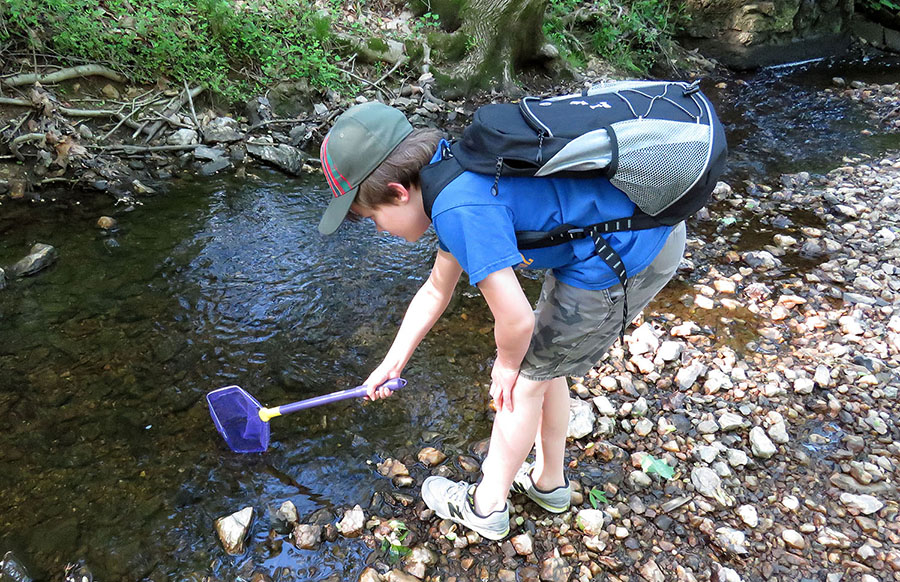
x,y
172,109
62,75
191,103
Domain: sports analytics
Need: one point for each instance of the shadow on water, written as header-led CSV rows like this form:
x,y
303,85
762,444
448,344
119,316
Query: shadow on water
x,y
107,451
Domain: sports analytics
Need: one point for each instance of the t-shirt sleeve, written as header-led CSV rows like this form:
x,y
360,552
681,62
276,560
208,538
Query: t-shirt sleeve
x,y
481,237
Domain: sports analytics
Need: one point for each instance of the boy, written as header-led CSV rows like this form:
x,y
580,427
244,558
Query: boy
x,y
371,159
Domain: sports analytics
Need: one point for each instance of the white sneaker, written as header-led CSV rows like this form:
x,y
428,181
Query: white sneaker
x,y
555,501
456,502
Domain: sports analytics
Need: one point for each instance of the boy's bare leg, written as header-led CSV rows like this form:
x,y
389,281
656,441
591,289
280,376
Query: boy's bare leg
x,y
550,446
513,435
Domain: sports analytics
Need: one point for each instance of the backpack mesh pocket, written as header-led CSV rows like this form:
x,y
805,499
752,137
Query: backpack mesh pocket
x,y
659,160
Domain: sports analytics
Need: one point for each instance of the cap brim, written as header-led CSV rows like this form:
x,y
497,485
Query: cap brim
x,y
336,212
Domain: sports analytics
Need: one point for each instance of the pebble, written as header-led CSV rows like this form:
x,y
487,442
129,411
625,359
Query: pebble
x,y
760,444
793,539
865,504
748,515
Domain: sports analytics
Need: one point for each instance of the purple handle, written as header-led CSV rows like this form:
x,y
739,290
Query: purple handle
x,y
358,392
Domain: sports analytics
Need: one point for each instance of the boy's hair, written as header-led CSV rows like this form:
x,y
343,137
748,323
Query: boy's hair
x,y
401,166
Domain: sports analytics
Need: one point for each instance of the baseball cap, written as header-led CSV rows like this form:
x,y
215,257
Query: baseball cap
x,y
361,138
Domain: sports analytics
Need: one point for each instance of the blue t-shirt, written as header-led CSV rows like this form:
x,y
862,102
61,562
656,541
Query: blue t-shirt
x,y
478,228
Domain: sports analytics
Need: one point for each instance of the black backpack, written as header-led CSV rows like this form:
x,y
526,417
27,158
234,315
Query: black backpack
x,y
660,142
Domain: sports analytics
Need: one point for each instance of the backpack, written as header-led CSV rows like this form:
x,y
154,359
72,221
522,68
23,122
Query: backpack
x,y
659,142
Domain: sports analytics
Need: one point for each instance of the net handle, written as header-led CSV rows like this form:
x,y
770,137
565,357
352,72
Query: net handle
x,y
358,392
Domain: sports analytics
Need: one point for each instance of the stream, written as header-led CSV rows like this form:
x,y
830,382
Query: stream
x,y
107,451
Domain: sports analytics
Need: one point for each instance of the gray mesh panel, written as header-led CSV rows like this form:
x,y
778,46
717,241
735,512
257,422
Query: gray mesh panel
x,y
659,160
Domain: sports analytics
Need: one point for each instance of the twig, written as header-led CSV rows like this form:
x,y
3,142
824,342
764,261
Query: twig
x,y
387,92
400,61
133,149
124,118
890,114
276,121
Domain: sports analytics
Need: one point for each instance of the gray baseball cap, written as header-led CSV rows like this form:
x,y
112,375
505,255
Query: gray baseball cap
x,y
361,138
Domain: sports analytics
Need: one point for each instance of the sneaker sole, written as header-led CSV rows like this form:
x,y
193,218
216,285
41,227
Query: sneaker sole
x,y
491,536
550,508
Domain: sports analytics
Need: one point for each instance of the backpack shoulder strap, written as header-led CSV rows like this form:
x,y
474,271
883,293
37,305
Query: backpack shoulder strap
x,y
434,177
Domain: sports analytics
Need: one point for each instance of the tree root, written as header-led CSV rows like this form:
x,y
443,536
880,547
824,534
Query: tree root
x,y
62,75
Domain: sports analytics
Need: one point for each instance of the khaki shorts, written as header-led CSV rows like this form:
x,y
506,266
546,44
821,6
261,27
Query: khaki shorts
x,y
574,327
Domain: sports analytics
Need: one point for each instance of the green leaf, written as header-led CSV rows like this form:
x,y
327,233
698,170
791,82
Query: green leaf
x,y
596,496
652,465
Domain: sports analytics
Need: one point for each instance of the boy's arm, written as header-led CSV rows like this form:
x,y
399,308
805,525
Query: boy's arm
x,y
513,326
424,310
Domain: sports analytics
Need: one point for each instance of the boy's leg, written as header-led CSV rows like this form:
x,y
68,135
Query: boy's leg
x,y
550,445
512,437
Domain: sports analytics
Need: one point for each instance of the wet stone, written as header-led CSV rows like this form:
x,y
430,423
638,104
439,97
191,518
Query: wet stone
x,y
555,569
351,525
232,530
430,456
307,536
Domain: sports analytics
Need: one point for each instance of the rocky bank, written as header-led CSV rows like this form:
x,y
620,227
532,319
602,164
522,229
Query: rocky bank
x,y
749,428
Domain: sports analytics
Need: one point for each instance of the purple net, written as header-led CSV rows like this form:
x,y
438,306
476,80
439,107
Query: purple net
x,y
236,415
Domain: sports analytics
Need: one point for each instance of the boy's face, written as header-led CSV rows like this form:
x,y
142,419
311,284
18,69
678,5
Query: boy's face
x,y
405,218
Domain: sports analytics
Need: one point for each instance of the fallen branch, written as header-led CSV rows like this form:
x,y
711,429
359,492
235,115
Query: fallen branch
x,y
173,108
63,75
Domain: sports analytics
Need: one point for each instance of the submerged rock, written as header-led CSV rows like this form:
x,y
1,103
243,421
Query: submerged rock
x,y
232,530
39,257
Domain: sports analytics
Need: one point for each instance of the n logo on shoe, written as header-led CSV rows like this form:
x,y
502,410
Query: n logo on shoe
x,y
518,487
454,511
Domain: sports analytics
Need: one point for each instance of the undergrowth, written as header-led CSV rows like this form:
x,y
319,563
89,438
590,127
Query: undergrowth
x,y
233,48
630,34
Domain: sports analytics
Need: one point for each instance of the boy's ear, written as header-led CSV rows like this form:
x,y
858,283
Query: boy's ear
x,y
400,191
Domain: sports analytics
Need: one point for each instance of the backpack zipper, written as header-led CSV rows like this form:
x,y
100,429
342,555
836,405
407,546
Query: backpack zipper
x,y
495,189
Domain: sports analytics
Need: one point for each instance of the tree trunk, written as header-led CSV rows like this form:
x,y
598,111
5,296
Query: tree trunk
x,y
502,35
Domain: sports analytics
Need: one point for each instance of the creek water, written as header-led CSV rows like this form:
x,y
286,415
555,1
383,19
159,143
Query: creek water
x,y
107,451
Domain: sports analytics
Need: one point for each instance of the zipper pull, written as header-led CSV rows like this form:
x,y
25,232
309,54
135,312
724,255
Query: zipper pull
x,y
495,189
540,155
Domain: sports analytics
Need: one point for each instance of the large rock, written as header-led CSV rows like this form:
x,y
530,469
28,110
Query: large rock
x,y
39,257
222,130
590,521
307,536
760,444
232,530
283,156
581,419
747,35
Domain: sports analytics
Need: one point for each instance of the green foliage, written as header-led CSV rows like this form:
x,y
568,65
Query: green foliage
x,y
629,34
597,496
232,48
393,544
876,8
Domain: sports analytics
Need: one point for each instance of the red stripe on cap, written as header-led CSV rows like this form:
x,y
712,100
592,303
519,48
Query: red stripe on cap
x,y
330,171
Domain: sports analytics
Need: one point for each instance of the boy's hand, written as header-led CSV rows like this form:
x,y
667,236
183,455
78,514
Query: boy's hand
x,y
503,381
374,382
